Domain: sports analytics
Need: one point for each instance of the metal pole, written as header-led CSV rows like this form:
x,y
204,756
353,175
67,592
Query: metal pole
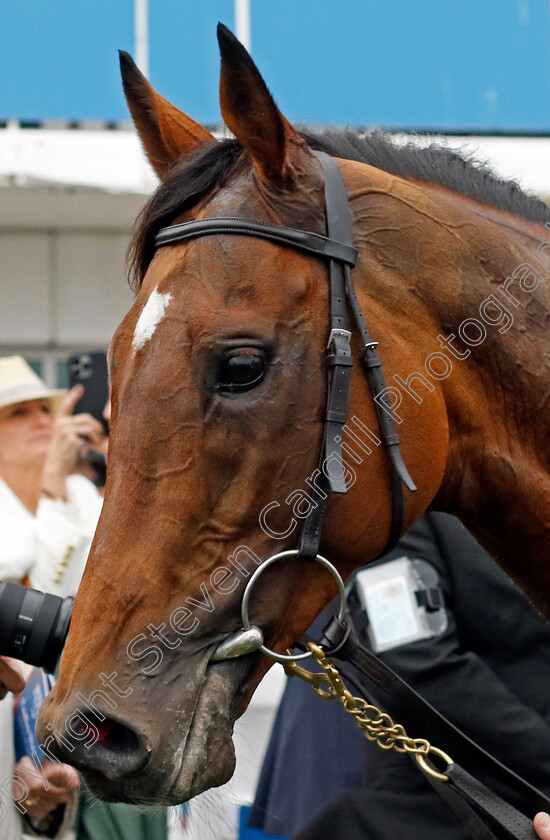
x,y
141,35
242,23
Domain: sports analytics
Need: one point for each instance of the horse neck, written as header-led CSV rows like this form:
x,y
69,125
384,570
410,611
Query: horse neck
x,y
444,260
498,470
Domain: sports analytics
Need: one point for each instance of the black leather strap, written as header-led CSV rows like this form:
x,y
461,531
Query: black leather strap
x,y
303,240
340,359
472,824
310,538
511,822
337,636
372,365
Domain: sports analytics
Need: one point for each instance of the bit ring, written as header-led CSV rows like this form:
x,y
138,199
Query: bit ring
x,y
283,657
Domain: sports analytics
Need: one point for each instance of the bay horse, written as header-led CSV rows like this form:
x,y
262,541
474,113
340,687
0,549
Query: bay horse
x,y
218,415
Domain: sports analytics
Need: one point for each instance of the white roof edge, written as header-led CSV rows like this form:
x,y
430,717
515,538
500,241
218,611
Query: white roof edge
x,y
113,161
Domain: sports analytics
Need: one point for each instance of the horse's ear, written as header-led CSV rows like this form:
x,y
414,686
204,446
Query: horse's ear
x,y
250,113
165,132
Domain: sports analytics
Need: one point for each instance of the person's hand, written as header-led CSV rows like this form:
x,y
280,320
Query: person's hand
x,y
10,677
31,794
542,825
71,434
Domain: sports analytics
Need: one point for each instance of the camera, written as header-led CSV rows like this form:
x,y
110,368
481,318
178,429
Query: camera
x,y
33,625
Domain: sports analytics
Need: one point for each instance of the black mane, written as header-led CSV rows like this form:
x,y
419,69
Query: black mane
x,y
433,164
197,175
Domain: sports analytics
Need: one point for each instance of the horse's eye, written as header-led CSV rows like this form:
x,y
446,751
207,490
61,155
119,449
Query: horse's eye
x,y
241,370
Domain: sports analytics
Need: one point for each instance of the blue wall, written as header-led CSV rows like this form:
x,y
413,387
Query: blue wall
x,y
472,64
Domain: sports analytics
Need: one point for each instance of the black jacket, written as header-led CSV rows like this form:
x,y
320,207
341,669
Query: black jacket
x,y
488,672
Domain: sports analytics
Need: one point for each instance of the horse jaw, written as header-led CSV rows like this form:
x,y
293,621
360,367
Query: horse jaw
x,y
208,758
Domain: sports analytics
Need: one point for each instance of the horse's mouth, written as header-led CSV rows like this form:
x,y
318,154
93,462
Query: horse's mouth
x,y
193,758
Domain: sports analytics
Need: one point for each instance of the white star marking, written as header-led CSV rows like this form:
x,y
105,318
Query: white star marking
x,y
150,317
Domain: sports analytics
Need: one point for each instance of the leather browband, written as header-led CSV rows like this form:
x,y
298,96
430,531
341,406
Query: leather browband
x,y
303,240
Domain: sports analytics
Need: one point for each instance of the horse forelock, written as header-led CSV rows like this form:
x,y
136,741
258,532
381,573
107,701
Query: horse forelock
x,y
187,183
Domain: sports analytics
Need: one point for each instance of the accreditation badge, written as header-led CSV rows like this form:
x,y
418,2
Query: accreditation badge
x,y
403,602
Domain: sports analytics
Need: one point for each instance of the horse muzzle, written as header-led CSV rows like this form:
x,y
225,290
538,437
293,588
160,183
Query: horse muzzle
x,y
129,755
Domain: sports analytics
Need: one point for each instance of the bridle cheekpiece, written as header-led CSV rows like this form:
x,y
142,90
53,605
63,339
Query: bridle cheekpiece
x,y
338,249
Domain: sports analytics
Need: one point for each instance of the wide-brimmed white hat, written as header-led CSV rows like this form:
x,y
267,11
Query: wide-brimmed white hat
x,y
19,383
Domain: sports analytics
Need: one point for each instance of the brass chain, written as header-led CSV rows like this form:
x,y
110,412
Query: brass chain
x,y
376,725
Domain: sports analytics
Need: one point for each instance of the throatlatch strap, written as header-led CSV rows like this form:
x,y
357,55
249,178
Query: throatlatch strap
x,y
342,291
372,365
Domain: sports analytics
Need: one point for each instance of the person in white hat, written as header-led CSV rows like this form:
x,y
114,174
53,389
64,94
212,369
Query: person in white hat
x,y
47,521
47,515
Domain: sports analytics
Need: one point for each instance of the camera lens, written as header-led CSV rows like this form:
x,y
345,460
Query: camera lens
x,y
33,625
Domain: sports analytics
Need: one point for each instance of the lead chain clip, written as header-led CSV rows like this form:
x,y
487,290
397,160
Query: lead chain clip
x,y
375,725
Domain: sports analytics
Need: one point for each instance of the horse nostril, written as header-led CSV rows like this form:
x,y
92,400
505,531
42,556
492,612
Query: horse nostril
x,y
112,748
112,735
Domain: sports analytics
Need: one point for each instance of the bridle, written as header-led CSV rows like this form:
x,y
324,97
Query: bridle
x,y
465,795
338,249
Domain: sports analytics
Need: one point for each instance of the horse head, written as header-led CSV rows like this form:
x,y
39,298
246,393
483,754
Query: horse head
x,y
218,409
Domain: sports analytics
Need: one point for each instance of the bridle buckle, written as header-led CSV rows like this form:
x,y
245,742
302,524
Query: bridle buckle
x,y
338,333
